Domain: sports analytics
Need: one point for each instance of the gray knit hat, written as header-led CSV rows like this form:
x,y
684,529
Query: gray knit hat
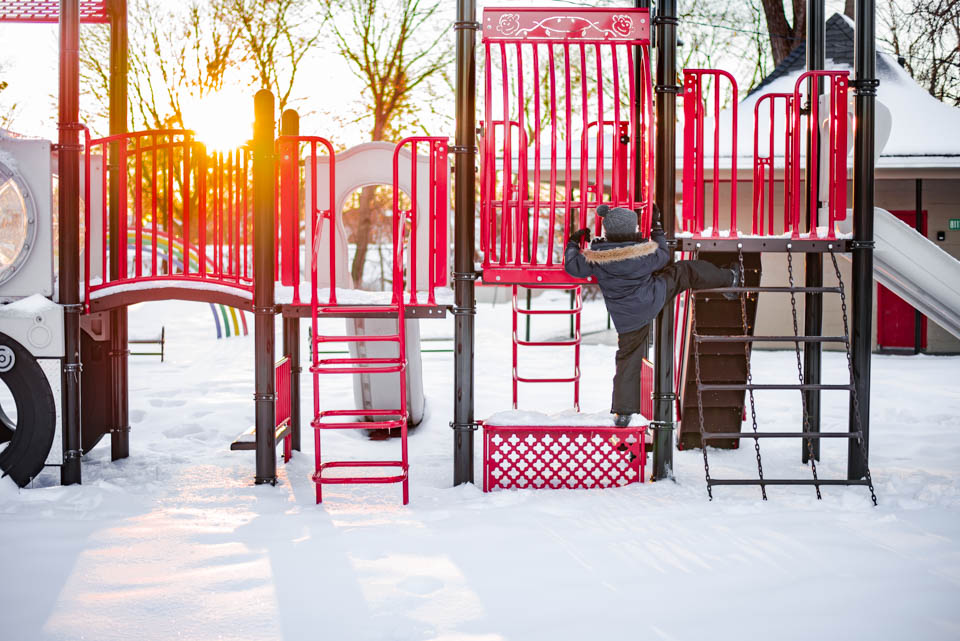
x,y
618,222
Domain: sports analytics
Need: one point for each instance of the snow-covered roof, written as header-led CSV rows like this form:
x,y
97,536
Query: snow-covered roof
x,y
920,122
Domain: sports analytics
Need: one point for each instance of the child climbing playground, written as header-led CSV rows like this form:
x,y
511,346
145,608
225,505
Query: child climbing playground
x,y
636,281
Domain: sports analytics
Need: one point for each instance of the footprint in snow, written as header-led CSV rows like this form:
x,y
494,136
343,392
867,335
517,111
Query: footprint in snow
x,y
182,430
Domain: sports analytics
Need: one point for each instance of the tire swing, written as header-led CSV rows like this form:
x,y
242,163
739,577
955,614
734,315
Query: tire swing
x,y
30,436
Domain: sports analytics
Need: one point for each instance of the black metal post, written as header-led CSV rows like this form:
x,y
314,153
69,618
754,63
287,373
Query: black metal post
x,y
464,271
69,258
917,316
263,299
865,69
666,198
119,348
290,126
813,261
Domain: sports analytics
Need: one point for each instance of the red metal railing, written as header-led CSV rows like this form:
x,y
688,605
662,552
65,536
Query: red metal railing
x,y
282,406
764,164
436,210
562,457
312,213
695,97
834,147
48,11
584,129
183,214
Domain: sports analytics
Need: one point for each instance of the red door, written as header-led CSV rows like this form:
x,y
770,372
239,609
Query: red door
x,y
896,318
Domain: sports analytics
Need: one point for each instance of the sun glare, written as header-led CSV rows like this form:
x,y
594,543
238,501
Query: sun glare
x,y
222,121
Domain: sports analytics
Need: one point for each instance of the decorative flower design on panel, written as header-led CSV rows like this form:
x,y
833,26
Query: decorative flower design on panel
x,y
622,25
509,24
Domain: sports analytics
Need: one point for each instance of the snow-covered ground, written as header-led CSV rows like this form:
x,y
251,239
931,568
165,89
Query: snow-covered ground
x,y
176,542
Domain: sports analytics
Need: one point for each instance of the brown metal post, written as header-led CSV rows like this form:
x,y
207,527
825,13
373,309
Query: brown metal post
x,y
464,270
119,348
666,198
290,126
263,298
68,149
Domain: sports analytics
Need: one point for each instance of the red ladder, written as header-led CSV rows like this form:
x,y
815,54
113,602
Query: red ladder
x,y
574,313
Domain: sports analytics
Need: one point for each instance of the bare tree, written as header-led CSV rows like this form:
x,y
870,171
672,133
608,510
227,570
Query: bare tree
x,y
393,48
925,36
275,36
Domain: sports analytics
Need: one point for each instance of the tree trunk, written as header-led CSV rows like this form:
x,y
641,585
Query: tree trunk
x,y
783,37
364,225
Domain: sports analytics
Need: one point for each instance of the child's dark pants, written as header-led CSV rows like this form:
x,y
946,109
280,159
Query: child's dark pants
x,y
678,277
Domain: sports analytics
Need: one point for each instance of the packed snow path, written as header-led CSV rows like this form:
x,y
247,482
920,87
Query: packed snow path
x,y
176,542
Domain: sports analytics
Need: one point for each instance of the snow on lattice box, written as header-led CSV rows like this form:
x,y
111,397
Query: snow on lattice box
x,y
562,456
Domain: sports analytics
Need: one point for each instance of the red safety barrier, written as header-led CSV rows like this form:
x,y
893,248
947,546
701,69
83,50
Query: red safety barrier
x,y
562,457
646,390
436,226
695,96
764,164
282,406
311,213
187,210
565,81
834,147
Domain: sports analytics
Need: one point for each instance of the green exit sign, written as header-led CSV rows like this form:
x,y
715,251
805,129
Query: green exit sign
x,y
955,224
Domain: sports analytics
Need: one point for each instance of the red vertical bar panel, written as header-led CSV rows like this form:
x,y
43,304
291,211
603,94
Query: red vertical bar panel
x,y
505,246
568,171
635,132
286,211
295,241
314,246
841,89
443,196
757,180
535,235
414,237
488,235
599,172
201,212
187,146
552,222
734,132
168,192
813,124
615,140
432,226
331,219
787,163
246,215
521,227
153,207
87,211
689,159
716,154
699,118
795,150
648,136
138,207
832,155
122,179
584,142
772,178
230,177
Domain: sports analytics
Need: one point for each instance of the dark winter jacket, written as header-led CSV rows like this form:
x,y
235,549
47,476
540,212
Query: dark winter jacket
x,y
624,272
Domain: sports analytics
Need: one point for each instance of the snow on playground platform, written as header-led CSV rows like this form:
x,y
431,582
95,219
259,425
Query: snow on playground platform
x,y
176,541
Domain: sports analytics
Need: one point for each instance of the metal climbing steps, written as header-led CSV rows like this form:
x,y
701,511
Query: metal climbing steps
x,y
340,419
573,311
745,340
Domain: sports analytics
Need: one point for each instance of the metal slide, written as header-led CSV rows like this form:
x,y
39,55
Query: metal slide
x,y
915,269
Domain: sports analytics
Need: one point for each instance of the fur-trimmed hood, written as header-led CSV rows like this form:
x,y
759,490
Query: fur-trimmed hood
x,y
603,253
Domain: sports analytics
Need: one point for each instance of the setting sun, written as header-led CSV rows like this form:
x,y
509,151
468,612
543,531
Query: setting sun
x,y
222,121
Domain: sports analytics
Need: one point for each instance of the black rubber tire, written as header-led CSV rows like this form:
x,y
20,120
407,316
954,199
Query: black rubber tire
x,y
27,451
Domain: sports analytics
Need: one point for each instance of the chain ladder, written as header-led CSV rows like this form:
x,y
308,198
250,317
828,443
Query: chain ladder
x,y
696,360
853,386
746,355
803,396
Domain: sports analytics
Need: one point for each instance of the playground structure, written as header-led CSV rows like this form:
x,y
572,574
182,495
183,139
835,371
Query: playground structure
x,y
569,108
